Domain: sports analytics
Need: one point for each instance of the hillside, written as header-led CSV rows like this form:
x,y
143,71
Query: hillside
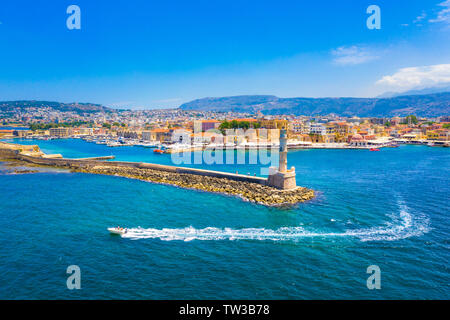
x,y
430,105
445,88
74,107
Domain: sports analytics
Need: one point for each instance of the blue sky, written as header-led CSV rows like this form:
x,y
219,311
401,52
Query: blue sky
x,y
149,54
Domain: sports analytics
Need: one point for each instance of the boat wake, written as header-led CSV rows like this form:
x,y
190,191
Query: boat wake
x,y
401,227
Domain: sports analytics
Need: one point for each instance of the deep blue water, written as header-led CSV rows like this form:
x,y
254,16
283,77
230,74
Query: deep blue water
x,y
387,208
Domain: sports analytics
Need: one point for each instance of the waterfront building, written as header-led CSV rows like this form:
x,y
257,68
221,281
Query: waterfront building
x,y
410,137
6,133
102,131
274,124
210,124
357,140
160,135
299,127
181,135
330,128
342,128
439,134
85,131
341,132
60,132
22,133
432,135
295,126
205,125
318,129
444,135
130,134
146,135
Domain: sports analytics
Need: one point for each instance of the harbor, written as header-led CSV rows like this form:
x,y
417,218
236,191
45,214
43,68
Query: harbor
x,y
243,143
224,159
170,225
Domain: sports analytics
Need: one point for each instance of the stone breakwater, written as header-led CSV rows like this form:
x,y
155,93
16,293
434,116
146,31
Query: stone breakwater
x,y
249,191
253,189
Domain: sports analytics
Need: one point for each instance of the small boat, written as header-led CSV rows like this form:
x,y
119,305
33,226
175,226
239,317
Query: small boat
x,y
158,151
374,149
117,230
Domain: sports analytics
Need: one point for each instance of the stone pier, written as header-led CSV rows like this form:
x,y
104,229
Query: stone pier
x,y
279,189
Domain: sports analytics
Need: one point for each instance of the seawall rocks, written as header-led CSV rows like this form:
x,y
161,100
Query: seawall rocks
x,y
253,189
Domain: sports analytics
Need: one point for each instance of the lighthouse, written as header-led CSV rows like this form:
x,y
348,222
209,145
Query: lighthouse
x,y
282,167
281,177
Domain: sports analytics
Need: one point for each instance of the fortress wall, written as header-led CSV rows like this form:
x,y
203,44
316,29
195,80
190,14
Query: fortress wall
x,y
8,153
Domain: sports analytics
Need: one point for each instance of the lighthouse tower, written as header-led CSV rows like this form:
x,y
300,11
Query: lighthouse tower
x,y
281,177
282,166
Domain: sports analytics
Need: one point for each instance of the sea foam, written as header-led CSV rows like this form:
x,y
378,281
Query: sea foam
x,y
402,226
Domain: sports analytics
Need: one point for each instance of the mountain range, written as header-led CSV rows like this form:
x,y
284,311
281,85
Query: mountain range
x,y
442,88
427,105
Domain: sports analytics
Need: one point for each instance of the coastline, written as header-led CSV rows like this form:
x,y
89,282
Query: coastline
x,y
252,189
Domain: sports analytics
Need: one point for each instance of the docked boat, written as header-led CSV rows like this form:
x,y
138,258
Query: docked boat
x,y
146,145
114,144
158,151
117,230
374,149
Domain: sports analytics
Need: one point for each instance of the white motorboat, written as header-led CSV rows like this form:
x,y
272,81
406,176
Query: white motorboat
x,y
114,144
117,230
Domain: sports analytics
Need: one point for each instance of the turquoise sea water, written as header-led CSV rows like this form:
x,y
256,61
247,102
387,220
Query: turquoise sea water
x,y
387,208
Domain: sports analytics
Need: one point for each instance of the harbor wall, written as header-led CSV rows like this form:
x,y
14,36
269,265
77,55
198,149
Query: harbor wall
x,y
249,188
83,163
8,153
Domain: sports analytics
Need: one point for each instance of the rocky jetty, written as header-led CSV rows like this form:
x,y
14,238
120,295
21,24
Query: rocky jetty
x,y
252,192
248,188
25,171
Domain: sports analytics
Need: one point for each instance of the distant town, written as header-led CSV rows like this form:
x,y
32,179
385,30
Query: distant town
x,y
178,129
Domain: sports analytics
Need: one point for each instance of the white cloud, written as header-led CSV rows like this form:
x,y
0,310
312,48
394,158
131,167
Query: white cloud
x,y
352,55
417,77
444,14
421,17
